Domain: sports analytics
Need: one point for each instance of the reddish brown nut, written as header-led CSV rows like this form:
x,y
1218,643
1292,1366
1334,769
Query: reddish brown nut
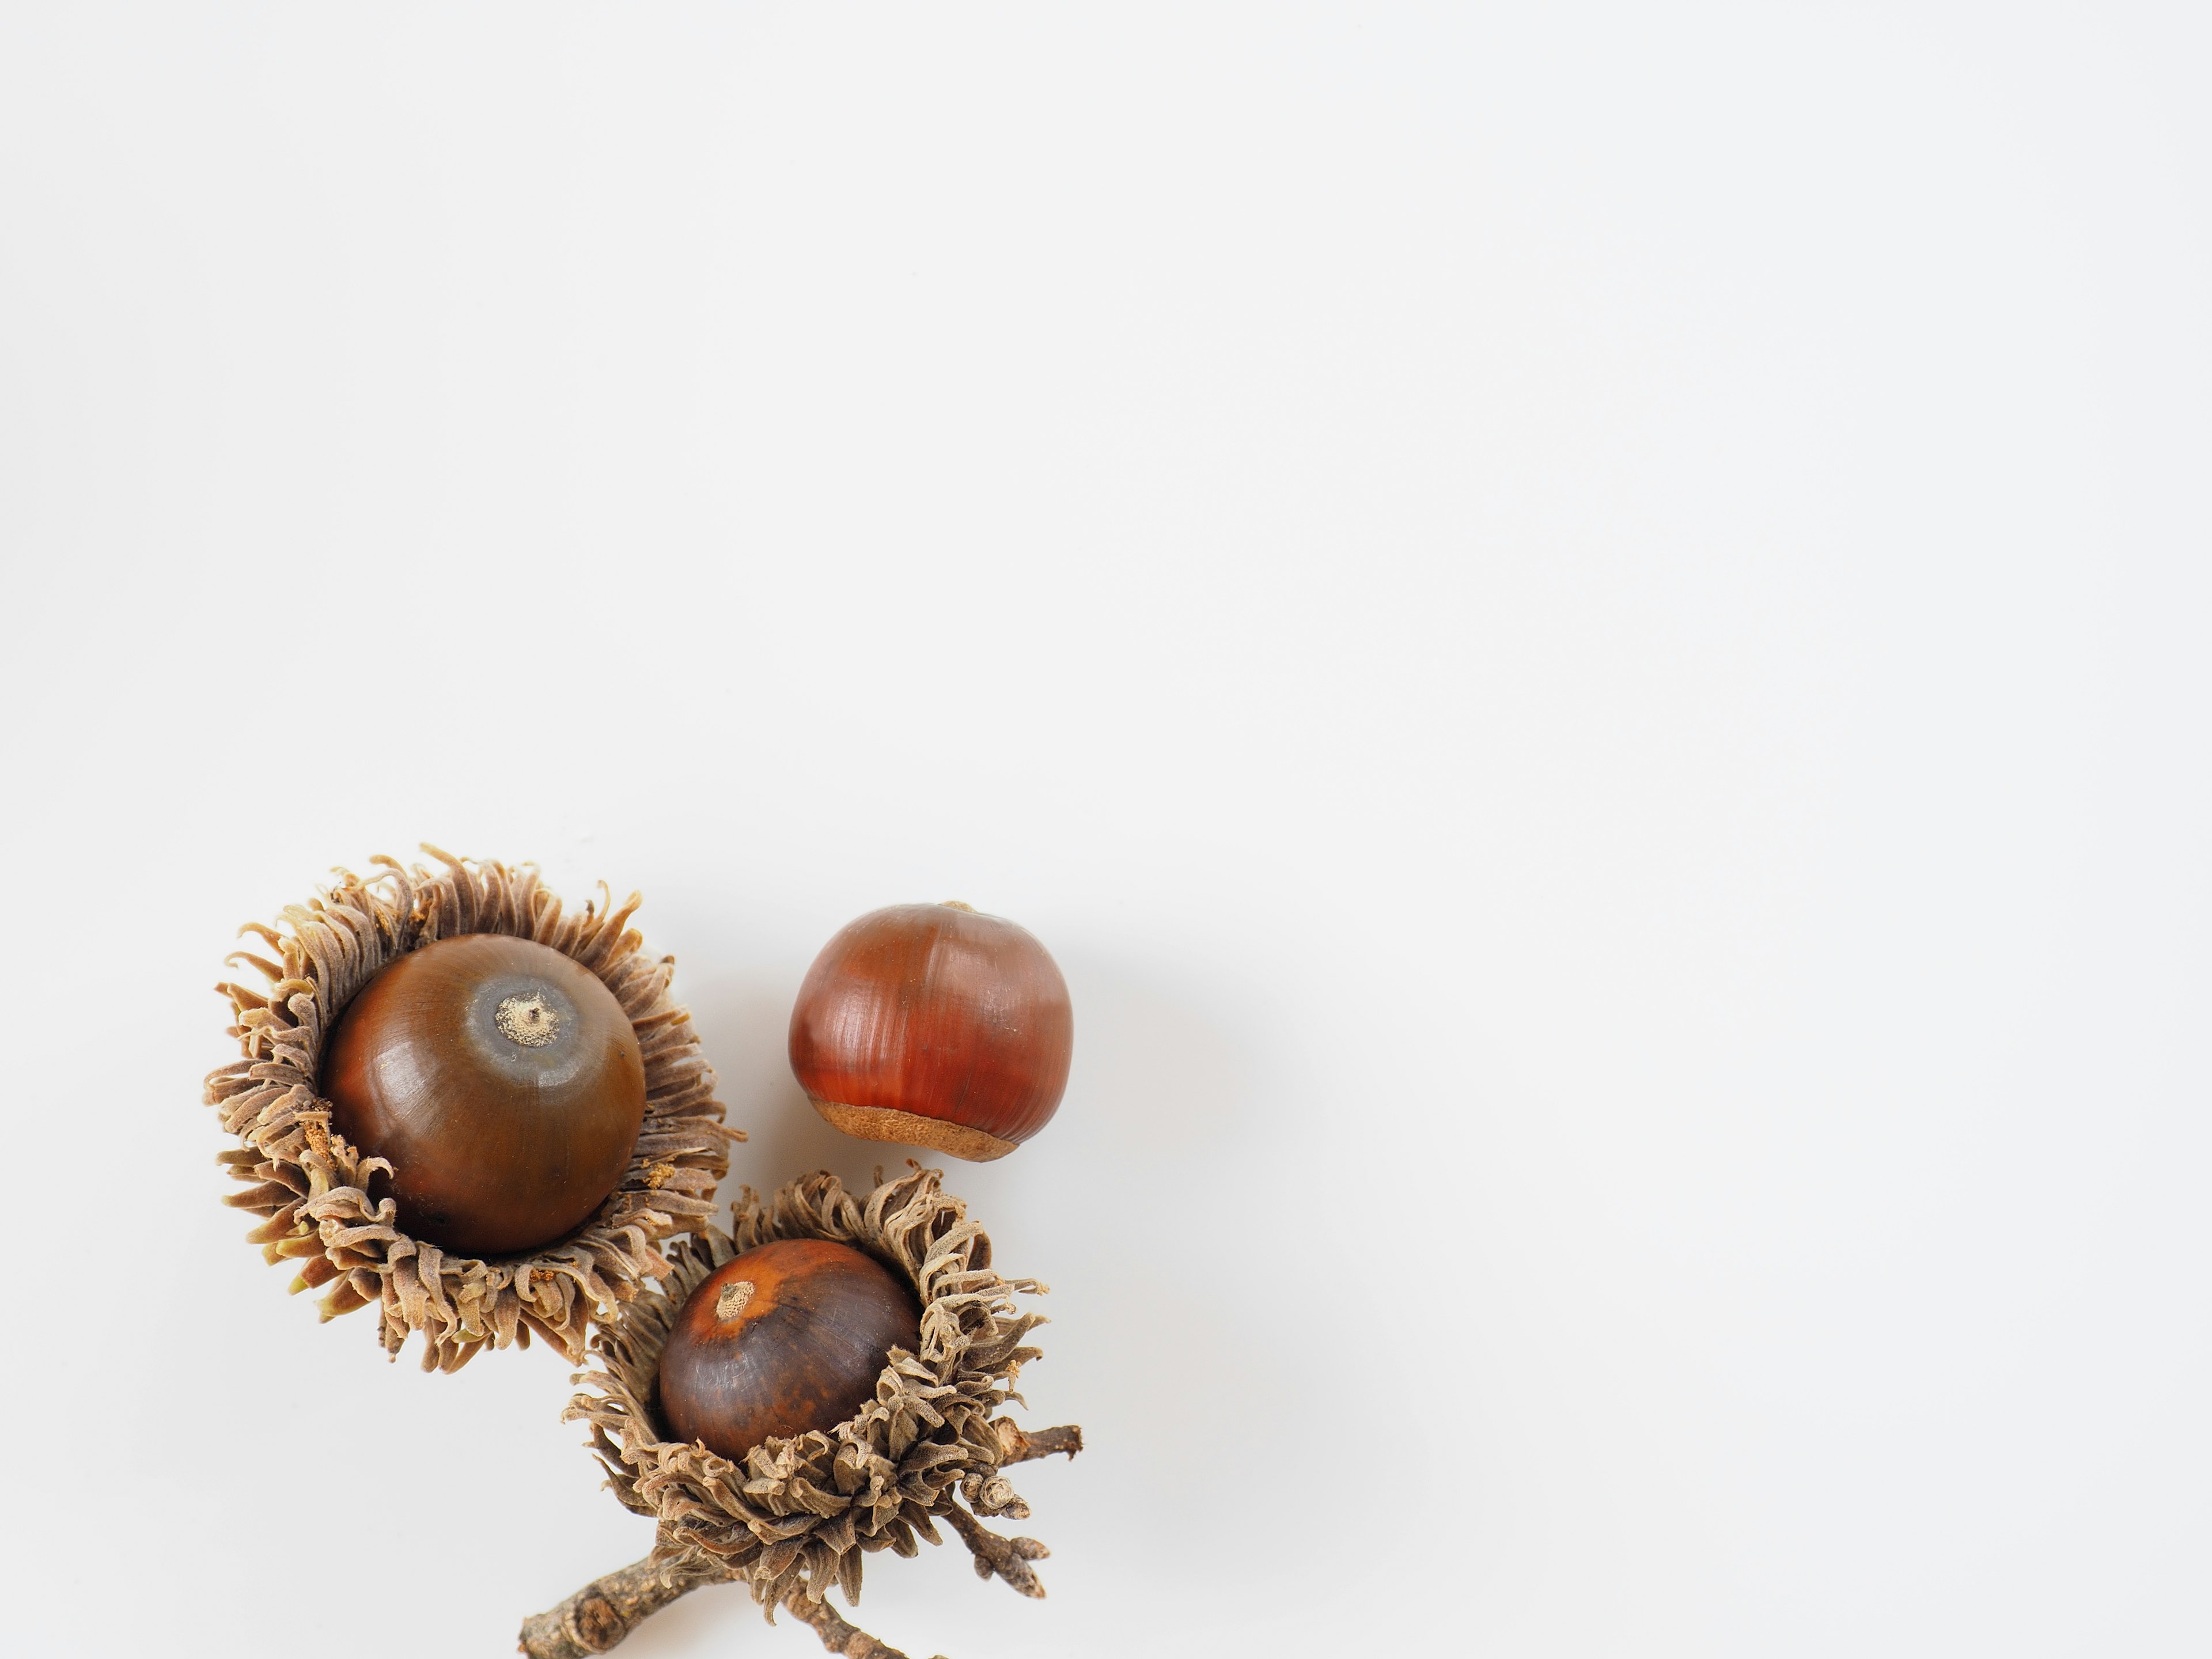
x,y
931,1024
501,1079
785,1339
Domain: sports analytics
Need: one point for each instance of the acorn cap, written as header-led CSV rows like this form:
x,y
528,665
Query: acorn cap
x,y
312,1186
799,1514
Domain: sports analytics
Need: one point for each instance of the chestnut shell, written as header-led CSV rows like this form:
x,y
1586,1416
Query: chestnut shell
x,y
501,1080
783,1339
937,1025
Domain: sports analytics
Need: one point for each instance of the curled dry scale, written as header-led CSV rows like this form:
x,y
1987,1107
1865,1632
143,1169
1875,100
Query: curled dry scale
x,y
484,1116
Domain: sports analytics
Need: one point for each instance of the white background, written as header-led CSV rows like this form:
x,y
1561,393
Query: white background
x,y
1585,629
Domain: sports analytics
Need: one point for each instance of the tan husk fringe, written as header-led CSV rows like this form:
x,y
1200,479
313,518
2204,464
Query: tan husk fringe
x,y
311,1185
799,1514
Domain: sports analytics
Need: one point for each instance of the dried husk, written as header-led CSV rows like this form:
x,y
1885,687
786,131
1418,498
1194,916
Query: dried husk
x,y
311,1185
798,1514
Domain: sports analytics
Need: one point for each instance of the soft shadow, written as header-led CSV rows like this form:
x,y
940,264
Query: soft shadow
x,y
1158,1081
716,1619
743,1022
1157,1073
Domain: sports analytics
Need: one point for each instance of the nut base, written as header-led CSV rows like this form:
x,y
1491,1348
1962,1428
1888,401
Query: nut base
x,y
912,1129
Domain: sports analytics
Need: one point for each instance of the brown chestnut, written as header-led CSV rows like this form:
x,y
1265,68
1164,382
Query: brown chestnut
x,y
937,1026
786,1338
502,1081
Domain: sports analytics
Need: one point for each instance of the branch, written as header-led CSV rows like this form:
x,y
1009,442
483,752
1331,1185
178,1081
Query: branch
x,y
1018,1446
837,1635
1009,1558
607,1609
598,1616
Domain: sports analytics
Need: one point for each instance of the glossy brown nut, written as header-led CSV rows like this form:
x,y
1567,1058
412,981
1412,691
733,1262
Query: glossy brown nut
x,y
935,1026
785,1339
501,1079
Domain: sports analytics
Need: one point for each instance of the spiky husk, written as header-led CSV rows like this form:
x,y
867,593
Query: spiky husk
x,y
311,1185
800,1514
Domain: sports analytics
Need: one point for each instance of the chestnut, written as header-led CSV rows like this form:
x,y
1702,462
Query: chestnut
x,y
501,1079
937,1026
929,1441
784,1339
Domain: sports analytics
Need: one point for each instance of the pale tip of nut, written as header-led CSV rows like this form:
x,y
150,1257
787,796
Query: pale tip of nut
x,y
527,1019
731,1301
